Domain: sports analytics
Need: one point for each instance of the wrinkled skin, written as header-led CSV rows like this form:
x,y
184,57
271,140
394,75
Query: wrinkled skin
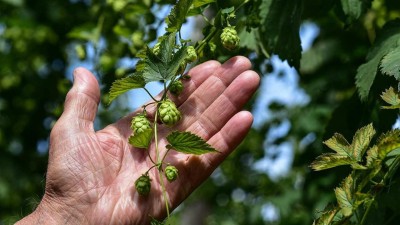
x,y
91,174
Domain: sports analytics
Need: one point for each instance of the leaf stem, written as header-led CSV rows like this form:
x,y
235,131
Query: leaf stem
x,y
151,96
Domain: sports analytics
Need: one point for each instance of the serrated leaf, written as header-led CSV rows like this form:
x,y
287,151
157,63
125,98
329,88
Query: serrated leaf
x,y
188,143
372,156
178,15
141,140
361,141
353,9
125,84
330,160
166,65
280,29
385,42
339,144
391,97
344,198
390,63
327,217
388,142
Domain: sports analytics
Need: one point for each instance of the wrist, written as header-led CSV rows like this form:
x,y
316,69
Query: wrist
x,y
52,212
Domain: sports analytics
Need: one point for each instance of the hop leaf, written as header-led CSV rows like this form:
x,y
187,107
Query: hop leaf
x,y
125,84
229,38
143,185
344,196
171,173
189,143
169,114
346,154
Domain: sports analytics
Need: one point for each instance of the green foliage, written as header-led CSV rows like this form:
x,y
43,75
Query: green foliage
x,y
280,29
40,39
346,154
189,143
384,44
178,15
379,169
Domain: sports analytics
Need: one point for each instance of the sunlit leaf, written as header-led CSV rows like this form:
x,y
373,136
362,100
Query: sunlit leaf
x,y
388,142
361,141
330,160
189,143
391,97
125,84
372,156
339,144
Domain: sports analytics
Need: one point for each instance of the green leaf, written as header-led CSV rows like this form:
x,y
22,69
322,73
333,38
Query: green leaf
x,y
188,143
165,66
391,97
353,9
330,160
390,64
141,140
125,84
199,3
178,15
280,29
384,44
339,144
361,141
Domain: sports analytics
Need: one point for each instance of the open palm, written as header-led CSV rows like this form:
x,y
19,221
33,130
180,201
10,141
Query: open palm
x,y
91,175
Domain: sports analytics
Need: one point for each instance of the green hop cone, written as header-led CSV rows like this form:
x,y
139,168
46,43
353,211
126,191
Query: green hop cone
x,y
140,123
143,185
169,114
171,173
176,87
229,38
191,54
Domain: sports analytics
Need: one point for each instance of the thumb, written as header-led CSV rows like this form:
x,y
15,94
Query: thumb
x,y
81,102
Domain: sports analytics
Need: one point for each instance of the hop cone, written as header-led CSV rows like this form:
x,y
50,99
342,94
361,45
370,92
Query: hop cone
x,y
171,173
229,38
176,87
192,55
139,124
169,114
143,185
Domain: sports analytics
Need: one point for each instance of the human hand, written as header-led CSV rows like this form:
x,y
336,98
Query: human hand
x,y
90,177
